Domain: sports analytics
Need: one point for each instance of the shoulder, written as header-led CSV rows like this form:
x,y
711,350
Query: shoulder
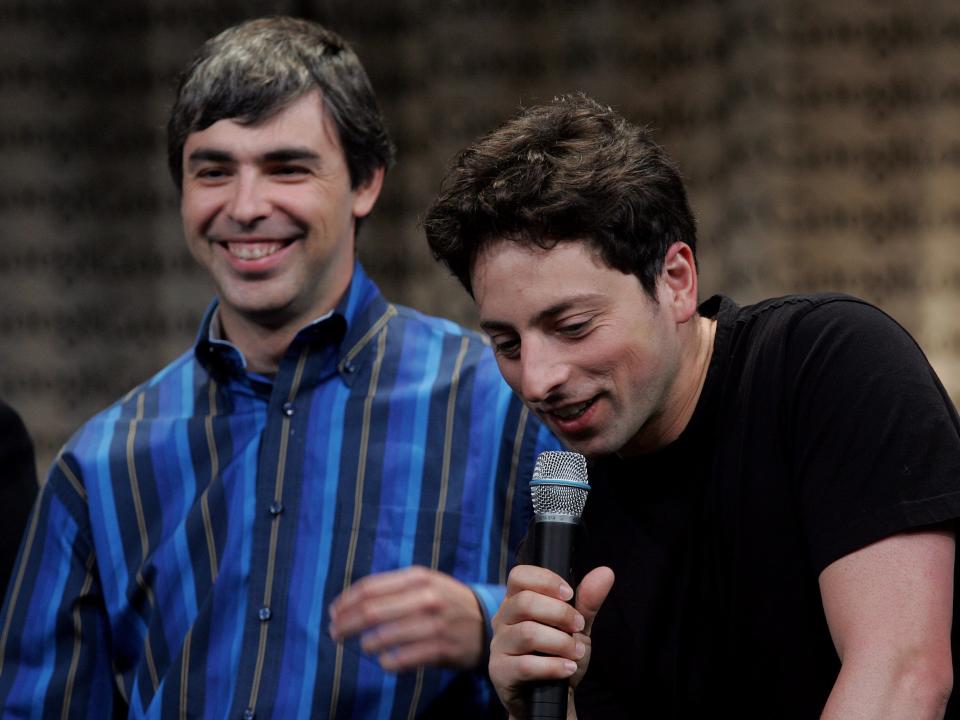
x,y
808,355
819,323
16,452
459,361
788,311
11,425
434,324
142,401
424,333
841,330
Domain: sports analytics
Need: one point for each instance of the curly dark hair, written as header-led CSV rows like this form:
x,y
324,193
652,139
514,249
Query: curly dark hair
x,y
252,71
570,169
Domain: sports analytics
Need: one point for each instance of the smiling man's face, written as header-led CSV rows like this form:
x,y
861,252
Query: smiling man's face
x,y
584,346
269,212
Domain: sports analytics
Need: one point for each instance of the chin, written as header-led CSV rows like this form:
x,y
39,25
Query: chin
x,y
592,447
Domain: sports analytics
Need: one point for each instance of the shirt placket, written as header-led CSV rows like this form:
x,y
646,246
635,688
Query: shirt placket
x,y
271,538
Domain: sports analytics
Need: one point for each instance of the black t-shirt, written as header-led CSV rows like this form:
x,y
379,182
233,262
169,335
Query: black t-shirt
x,y
821,429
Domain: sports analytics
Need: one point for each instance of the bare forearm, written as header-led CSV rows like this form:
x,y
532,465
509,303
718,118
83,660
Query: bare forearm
x,y
911,693
889,607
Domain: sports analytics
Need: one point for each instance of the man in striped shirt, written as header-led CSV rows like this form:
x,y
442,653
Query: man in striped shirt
x,y
310,513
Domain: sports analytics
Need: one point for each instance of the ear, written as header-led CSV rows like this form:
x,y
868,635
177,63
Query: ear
x,y
678,282
366,193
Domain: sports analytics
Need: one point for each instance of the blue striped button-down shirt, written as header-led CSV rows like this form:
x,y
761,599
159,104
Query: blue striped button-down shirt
x,y
188,540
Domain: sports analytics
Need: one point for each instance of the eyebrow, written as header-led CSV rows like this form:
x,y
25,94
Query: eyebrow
x,y
284,154
290,153
542,316
208,155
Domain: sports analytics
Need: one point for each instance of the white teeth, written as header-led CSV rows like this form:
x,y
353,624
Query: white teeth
x,y
572,411
253,251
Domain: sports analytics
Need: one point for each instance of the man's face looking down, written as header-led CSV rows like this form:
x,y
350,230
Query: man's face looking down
x,y
588,350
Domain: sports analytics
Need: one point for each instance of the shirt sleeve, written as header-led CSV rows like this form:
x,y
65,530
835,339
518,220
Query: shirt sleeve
x,y
54,650
489,598
876,439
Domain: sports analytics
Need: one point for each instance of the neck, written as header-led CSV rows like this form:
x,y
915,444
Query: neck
x,y
262,346
687,387
263,340
264,337
693,376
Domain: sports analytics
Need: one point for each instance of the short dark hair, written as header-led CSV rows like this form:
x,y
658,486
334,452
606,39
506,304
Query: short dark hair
x,y
251,71
570,169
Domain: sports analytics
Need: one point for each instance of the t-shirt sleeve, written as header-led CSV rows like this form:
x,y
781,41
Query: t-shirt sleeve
x,y
875,438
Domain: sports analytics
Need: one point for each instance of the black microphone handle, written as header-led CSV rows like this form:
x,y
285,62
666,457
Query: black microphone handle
x,y
552,547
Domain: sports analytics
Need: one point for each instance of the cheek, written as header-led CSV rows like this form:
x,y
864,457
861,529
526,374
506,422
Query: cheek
x,y
199,209
603,359
638,367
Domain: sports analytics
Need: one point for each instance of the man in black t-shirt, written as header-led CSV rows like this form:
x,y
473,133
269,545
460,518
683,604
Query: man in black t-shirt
x,y
775,487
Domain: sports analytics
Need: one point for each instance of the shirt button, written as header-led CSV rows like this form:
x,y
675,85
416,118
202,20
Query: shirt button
x,y
349,367
288,409
248,714
264,614
276,508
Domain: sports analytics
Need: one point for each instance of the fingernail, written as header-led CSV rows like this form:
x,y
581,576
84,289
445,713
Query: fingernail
x,y
578,623
566,592
570,666
579,649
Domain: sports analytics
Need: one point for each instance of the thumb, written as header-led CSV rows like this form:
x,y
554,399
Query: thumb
x,y
591,593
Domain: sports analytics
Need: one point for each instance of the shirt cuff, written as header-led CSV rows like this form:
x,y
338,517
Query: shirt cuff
x,y
489,598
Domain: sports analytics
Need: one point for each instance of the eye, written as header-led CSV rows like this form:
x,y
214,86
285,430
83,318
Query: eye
x,y
576,327
289,171
211,173
508,347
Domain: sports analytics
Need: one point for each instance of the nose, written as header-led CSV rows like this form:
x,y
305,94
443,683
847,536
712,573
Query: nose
x,y
247,204
543,372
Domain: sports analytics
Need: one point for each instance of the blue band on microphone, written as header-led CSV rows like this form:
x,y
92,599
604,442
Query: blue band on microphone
x,y
557,481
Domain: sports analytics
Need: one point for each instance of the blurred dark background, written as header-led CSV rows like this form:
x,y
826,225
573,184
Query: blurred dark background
x,y
820,141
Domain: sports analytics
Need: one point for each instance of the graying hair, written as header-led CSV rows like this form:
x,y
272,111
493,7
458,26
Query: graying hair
x,y
254,70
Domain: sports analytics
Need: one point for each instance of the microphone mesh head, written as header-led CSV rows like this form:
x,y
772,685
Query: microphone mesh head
x,y
559,485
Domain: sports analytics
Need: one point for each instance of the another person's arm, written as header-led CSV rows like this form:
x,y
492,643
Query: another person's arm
x,y
55,658
18,486
889,608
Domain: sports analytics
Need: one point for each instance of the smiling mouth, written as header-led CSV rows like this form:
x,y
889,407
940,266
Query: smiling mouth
x,y
254,250
571,412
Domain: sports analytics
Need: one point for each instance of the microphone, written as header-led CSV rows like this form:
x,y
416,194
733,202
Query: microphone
x,y
559,491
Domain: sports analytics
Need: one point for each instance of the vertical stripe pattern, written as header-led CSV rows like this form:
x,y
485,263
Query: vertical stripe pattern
x,y
192,536
357,504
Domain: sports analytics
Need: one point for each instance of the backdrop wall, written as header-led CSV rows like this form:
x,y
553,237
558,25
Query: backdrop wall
x,y
819,140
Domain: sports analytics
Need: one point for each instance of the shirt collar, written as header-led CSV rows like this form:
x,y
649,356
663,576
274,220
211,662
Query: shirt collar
x,y
357,311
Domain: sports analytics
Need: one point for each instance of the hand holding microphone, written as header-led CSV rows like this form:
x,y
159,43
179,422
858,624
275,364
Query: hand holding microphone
x,y
541,644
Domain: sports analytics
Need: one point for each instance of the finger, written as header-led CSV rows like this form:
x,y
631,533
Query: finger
x,y
529,605
527,638
591,593
538,579
411,655
385,597
512,671
370,613
377,585
382,637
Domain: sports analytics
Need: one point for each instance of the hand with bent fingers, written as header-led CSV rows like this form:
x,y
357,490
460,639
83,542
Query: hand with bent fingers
x,y
536,617
411,617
